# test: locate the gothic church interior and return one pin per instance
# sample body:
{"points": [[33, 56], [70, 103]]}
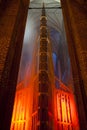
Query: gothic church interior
{"points": [[43, 73]]}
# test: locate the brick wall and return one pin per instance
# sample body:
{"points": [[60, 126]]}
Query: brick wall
{"points": [[12, 24], [75, 19], [7, 22]]}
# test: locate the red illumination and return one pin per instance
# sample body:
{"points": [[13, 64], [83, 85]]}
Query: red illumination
{"points": [[21, 111], [67, 118], [63, 105]]}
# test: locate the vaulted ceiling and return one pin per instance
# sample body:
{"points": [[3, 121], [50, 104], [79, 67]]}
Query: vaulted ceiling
{"points": [[54, 22], [55, 26], [45, 1]]}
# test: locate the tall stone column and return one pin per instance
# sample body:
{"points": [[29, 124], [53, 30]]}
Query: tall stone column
{"points": [[75, 19], [12, 24], [45, 75]]}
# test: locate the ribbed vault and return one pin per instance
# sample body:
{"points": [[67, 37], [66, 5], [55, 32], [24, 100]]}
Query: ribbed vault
{"points": [[57, 35]]}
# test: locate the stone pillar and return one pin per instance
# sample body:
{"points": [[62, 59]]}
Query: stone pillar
{"points": [[12, 24], [43, 94], [75, 19]]}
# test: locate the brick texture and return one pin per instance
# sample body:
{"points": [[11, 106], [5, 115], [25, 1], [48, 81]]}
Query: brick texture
{"points": [[12, 24], [75, 19], [7, 23]]}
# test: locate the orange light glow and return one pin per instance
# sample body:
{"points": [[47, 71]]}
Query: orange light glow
{"points": [[21, 111], [63, 104], [67, 118]]}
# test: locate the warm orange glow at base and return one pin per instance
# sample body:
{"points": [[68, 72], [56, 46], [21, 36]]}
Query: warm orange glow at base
{"points": [[21, 111], [65, 112], [67, 117]]}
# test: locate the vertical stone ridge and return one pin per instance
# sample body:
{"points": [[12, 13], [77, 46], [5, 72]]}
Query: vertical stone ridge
{"points": [[43, 75]]}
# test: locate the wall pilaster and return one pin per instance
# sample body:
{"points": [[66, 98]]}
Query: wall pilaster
{"points": [[12, 24], [75, 20]]}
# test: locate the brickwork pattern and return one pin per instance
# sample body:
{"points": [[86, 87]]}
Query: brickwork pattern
{"points": [[12, 24], [75, 21], [7, 22], [78, 18]]}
